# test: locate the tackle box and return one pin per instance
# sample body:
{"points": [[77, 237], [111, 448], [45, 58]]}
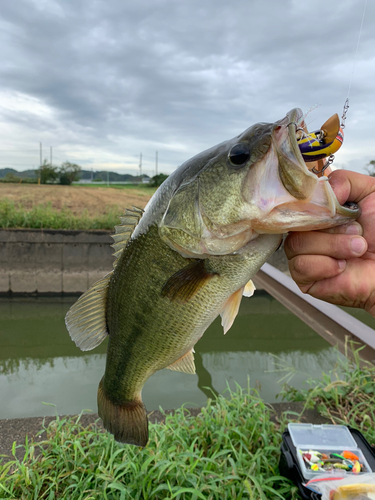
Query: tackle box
{"points": [[300, 438]]}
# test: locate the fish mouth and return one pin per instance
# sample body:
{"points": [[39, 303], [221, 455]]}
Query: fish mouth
{"points": [[306, 181]]}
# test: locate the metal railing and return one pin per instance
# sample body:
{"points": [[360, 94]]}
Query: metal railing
{"points": [[332, 323]]}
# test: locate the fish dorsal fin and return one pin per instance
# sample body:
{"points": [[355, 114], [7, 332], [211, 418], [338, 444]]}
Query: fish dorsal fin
{"points": [[249, 289], [184, 364], [230, 311], [123, 232], [85, 320], [185, 283]]}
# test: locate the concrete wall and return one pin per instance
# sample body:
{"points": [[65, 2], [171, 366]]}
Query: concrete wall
{"points": [[52, 261], [58, 261]]}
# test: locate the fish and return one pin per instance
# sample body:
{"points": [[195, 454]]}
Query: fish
{"points": [[190, 256]]}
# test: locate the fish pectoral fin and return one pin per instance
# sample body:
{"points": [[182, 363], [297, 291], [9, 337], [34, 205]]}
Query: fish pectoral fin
{"points": [[185, 283], [85, 320], [249, 289], [230, 311], [184, 364]]}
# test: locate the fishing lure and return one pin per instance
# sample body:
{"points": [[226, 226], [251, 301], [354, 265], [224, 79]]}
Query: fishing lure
{"points": [[321, 143]]}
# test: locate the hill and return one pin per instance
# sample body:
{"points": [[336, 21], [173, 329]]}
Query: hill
{"points": [[84, 175], [22, 175]]}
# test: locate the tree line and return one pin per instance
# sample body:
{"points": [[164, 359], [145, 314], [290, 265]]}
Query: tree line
{"points": [[66, 174]]}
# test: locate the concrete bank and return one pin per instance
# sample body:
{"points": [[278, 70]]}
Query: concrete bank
{"points": [[52, 261]]}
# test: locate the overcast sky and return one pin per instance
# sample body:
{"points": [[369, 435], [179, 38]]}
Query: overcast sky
{"points": [[103, 80]]}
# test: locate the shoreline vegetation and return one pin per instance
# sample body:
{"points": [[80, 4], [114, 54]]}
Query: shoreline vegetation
{"points": [[229, 450]]}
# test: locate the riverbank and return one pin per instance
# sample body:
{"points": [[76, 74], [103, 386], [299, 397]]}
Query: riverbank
{"points": [[16, 430], [226, 449], [229, 448]]}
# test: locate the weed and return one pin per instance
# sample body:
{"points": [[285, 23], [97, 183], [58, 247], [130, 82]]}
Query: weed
{"points": [[230, 450]]}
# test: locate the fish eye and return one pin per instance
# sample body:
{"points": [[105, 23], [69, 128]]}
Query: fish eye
{"points": [[239, 154]]}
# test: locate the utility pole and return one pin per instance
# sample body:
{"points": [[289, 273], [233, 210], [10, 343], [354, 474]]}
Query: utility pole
{"points": [[50, 155], [107, 178], [41, 154], [140, 166], [156, 163]]}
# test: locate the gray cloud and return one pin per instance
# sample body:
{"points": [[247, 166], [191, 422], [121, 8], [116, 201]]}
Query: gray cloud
{"points": [[109, 79]]}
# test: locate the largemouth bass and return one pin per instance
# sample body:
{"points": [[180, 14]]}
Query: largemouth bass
{"points": [[190, 256]]}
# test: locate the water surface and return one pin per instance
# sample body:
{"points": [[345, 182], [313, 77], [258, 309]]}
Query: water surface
{"points": [[39, 363]]}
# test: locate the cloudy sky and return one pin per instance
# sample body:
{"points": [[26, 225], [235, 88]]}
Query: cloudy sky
{"points": [[101, 81]]}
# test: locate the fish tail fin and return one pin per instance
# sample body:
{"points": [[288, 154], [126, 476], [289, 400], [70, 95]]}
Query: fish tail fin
{"points": [[127, 422]]}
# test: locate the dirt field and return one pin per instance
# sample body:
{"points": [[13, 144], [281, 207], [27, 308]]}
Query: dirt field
{"points": [[77, 198]]}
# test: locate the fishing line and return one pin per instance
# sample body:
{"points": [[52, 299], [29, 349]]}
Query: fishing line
{"points": [[346, 104], [316, 140]]}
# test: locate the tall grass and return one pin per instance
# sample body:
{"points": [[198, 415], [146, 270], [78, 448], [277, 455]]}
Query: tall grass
{"points": [[230, 451], [43, 215], [345, 395]]}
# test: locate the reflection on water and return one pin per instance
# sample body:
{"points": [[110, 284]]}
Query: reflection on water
{"points": [[39, 363]]}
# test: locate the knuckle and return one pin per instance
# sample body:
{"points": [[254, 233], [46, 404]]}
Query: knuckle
{"points": [[294, 243], [300, 266]]}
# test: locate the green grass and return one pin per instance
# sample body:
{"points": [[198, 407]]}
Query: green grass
{"points": [[43, 215], [345, 395], [230, 451], [139, 187]]}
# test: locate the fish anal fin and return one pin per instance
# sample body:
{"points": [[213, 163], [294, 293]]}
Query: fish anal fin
{"points": [[124, 231], [85, 320], [249, 289], [230, 311], [185, 283], [184, 364], [127, 422]]}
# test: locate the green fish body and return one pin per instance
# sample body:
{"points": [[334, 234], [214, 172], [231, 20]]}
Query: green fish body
{"points": [[190, 257]]}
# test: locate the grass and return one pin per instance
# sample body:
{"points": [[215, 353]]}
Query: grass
{"points": [[43, 215], [139, 187], [230, 451], [345, 395]]}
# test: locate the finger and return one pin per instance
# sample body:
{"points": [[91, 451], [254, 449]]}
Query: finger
{"points": [[337, 246], [350, 228], [353, 287], [307, 269], [351, 186]]}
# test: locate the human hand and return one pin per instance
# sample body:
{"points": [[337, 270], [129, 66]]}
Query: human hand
{"points": [[338, 264]]}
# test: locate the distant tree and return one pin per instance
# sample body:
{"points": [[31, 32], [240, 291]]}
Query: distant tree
{"points": [[69, 172], [157, 180], [10, 177], [47, 172], [371, 168]]}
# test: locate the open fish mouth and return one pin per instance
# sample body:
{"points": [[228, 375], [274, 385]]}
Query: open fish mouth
{"points": [[290, 192], [305, 180]]}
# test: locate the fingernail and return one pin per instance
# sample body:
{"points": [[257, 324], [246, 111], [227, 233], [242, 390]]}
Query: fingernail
{"points": [[358, 245], [354, 228], [342, 264]]}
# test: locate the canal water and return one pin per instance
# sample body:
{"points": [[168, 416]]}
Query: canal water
{"points": [[40, 366]]}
